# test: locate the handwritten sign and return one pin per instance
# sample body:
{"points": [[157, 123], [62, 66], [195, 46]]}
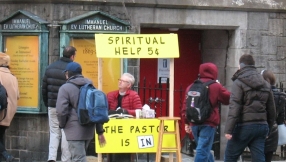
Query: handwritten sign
{"points": [[24, 54], [134, 135], [145, 142], [137, 45]]}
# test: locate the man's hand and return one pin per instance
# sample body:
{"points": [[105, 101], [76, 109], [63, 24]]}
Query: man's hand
{"points": [[121, 111], [101, 140], [228, 136], [188, 128]]}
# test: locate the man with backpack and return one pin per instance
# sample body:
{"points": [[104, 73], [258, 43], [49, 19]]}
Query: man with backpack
{"points": [[251, 112], [200, 110], [52, 81], [77, 135]]}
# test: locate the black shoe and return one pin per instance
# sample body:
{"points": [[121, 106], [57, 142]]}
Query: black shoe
{"points": [[7, 156]]}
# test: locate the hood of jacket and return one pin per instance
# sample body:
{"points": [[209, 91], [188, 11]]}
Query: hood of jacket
{"points": [[249, 76], [208, 70], [79, 80]]}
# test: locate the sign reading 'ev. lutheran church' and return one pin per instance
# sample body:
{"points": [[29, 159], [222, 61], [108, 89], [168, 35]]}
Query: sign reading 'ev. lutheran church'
{"points": [[97, 22]]}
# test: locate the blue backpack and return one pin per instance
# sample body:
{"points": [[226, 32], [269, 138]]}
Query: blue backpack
{"points": [[92, 105]]}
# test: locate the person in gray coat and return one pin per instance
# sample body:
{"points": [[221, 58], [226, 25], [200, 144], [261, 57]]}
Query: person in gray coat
{"points": [[53, 79], [78, 136]]}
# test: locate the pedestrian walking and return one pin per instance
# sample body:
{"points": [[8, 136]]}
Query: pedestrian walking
{"points": [[52, 81], [251, 112], [78, 136], [204, 132], [10, 83], [271, 142]]}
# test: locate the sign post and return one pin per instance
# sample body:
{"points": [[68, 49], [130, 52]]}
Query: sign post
{"points": [[139, 46]]}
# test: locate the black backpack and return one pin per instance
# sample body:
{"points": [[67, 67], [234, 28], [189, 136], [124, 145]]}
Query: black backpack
{"points": [[280, 103], [3, 100], [198, 106]]}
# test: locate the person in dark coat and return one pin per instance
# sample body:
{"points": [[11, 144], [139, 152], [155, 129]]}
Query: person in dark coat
{"points": [[52, 81], [251, 112], [271, 142]]}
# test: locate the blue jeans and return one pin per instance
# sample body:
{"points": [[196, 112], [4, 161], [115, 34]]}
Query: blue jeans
{"points": [[204, 137], [251, 136]]}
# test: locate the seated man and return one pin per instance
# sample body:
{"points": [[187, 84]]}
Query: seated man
{"points": [[124, 98], [124, 101]]}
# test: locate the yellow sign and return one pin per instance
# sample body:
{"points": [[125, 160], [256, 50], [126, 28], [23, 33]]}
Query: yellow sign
{"points": [[134, 135], [24, 54], [137, 45], [86, 57]]}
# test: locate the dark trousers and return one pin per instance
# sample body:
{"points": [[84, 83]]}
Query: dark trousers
{"points": [[268, 156], [2, 138], [251, 136]]}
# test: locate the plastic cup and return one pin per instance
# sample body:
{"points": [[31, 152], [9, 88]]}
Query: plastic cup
{"points": [[138, 113]]}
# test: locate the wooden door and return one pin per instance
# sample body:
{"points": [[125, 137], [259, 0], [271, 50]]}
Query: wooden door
{"points": [[186, 71]]}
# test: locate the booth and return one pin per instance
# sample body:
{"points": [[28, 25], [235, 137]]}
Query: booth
{"points": [[24, 36], [137, 135]]}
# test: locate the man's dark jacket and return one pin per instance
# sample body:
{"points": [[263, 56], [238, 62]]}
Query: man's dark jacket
{"points": [[251, 100], [53, 79]]}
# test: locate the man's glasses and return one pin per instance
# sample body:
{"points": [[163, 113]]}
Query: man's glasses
{"points": [[120, 80]]}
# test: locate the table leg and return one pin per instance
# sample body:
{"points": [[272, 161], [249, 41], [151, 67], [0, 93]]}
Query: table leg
{"points": [[99, 157]]}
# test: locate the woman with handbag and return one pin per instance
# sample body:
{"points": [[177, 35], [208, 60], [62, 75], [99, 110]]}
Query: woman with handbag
{"points": [[271, 142]]}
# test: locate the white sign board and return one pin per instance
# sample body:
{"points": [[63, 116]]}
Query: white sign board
{"points": [[163, 70], [145, 141]]}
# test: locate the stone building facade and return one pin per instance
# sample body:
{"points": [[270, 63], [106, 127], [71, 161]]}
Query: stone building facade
{"points": [[229, 29]]}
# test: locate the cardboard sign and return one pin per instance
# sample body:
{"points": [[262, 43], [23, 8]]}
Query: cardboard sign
{"points": [[134, 135], [137, 45]]}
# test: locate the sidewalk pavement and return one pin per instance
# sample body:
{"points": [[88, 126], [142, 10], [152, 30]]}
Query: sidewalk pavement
{"points": [[185, 158], [165, 158]]}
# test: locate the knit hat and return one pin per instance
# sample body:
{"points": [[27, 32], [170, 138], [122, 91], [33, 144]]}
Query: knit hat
{"points": [[4, 59]]}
